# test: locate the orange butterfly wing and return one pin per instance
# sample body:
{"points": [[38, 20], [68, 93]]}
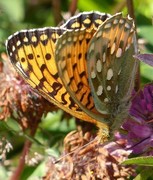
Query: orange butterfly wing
{"points": [[32, 54]]}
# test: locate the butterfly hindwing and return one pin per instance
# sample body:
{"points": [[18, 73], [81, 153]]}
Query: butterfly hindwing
{"points": [[111, 66]]}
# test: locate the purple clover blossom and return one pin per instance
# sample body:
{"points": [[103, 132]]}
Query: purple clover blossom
{"points": [[146, 58], [142, 104], [139, 137]]}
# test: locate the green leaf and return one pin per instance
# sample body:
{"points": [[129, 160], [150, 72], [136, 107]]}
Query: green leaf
{"points": [[53, 122], [14, 9], [141, 161], [146, 71], [12, 125], [3, 173], [140, 7], [145, 174], [52, 152], [31, 173], [146, 33]]}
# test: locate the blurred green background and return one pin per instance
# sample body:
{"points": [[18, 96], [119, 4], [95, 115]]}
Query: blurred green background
{"points": [[25, 14]]}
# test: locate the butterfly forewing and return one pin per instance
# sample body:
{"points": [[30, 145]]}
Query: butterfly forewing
{"points": [[86, 20], [32, 54], [111, 67]]}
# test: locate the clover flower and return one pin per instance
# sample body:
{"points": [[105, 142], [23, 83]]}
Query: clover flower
{"points": [[139, 129], [18, 100]]}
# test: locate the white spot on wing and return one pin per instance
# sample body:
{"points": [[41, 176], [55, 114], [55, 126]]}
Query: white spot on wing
{"points": [[119, 72], [104, 57], [109, 74], [106, 100], [115, 21], [119, 53], [13, 48], [25, 39], [129, 18], [108, 25], [34, 39], [43, 37], [93, 74], [121, 21], [127, 25], [108, 88], [99, 65], [100, 90], [18, 43], [116, 89], [103, 112], [69, 39]]}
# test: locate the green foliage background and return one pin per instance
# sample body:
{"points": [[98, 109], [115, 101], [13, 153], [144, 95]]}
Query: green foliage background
{"points": [[25, 14]]}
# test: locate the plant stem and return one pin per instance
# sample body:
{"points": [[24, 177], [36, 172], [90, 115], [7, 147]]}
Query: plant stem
{"points": [[73, 7], [17, 173], [56, 4]]}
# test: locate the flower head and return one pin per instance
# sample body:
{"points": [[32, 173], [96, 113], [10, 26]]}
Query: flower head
{"points": [[139, 136], [18, 100], [87, 158]]}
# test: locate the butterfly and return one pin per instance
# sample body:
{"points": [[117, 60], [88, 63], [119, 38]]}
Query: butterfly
{"points": [[85, 67]]}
